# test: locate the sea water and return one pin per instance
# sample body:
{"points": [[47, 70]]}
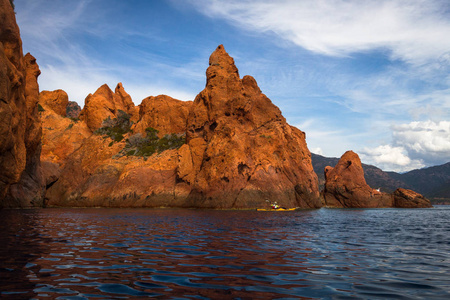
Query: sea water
{"points": [[209, 254]]}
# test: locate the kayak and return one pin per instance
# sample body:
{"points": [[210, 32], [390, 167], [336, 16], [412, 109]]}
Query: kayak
{"points": [[276, 209]]}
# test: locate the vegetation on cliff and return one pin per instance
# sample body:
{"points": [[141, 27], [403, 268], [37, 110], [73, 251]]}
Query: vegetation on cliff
{"points": [[115, 128], [139, 145]]}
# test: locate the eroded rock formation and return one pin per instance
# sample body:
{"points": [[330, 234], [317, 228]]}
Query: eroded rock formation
{"points": [[105, 103], [61, 135], [345, 186], [21, 183], [239, 151]]}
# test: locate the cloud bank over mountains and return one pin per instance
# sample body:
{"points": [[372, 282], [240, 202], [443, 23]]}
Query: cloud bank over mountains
{"points": [[414, 145]]}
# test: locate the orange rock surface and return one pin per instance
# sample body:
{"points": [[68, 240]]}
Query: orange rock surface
{"points": [[55, 100], [239, 152], [61, 135], [21, 183], [163, 112], [105, 103]]}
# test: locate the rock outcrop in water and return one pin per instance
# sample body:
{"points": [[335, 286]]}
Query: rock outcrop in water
{"points": [[21, 183], [404, 198], [345, 186], [238, 151]]}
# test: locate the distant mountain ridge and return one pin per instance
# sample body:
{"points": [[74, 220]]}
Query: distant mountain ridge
{"points": [[432, 182]]}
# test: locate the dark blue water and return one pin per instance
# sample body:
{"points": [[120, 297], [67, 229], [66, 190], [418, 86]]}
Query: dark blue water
{"points": [[206, 254]]}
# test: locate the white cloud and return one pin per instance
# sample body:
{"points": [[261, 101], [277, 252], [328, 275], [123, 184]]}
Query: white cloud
{"points": [[412, 82], [317, 150], [413, 30], [429, 141], [390, 158], [414, 145]]}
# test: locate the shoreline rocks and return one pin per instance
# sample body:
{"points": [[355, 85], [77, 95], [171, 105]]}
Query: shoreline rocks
{"points": [[346, 187]]}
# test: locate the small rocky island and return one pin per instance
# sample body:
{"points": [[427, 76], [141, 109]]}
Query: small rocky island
{"points": [[345, 186], [230, 148]]}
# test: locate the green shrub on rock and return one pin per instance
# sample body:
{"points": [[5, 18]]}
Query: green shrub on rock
{"points": [[139, 145], [117, 127]]}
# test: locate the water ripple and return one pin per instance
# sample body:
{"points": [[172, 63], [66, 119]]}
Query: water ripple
{"points": [[201, 254]]}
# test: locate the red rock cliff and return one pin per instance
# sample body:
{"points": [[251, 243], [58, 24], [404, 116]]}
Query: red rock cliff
{"points": [[239, 152], [21, 183]]}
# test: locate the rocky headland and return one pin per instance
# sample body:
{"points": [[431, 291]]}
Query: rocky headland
{"points": [[230, 148]]}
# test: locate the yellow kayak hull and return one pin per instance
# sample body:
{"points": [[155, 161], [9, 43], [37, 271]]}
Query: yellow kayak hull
{"points": [[276, 209]]}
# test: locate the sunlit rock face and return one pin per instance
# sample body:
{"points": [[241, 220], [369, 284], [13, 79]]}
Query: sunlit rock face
{"points": [[105, 103], [21, 183], [98, 172], [55, 100], [345, 186], [165, 113], [239, 152]]}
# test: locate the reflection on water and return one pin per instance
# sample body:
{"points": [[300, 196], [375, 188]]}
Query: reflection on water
{"points": [[139, 253]]}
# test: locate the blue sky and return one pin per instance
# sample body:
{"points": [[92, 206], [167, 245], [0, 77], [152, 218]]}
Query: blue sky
{"points": [[370, 76]]}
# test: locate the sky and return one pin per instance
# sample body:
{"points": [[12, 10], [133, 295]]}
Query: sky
{"points": [[362, 75]]}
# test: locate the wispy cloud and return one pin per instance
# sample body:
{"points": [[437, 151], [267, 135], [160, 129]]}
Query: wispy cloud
{"points": [[413, 31]]}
